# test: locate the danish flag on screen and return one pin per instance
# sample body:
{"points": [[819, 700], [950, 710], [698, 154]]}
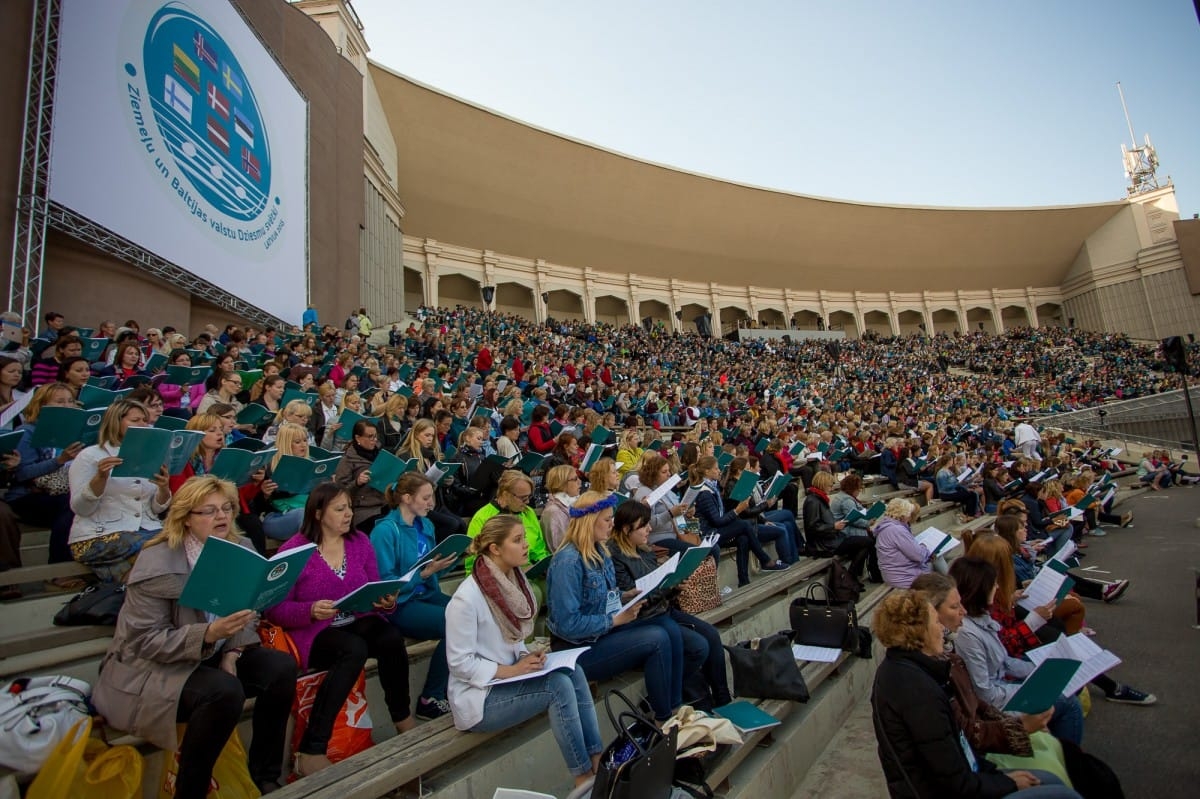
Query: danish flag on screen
{"points": [[218, 102]]}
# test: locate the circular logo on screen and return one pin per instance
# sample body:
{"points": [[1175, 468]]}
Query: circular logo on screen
{"points": [[204, 104], [277, 572]]}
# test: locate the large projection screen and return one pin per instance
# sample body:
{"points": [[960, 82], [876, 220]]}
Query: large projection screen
{"points": [[177, 130]]}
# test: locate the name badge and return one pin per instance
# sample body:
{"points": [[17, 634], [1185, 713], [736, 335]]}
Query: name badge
{"points": [[614, 602]]}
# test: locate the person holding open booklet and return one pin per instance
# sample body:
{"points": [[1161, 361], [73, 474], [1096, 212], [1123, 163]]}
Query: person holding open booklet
{"points": [[169, 663], [401, 540], [114, 516], [488, 621], [333, 640], [703, 651], [588, 609], [902, 558]]}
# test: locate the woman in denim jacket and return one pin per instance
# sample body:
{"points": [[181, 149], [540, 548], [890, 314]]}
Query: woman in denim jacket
{"points": [[585, 610]]}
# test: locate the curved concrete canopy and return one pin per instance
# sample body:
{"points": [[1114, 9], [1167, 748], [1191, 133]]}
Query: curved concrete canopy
{"points": [[473, 177]]}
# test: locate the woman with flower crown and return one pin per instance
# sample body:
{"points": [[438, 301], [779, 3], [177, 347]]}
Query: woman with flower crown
{"points": [[586, 610]]}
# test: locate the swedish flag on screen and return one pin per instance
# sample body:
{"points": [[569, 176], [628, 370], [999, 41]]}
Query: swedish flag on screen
{"points": [[204, 104]]}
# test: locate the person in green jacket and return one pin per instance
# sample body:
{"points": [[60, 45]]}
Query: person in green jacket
{"points": [[512, 496]]}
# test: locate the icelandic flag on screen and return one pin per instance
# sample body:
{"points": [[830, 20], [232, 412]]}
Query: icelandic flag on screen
{"points": [[218, 135], [203, 51], [186, 69], [218, 102], [233, 82], [177, 97], [243, 126], [250, 165]]}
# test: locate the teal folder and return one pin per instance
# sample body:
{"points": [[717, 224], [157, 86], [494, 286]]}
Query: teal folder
{"points": [[239, 465], [347, 421], [155, 363], [689, 561], [1042, 689], [229, 577], [744, 486], [59, 428], [746, 716], [165, 422], [538, 569], [363, 600], [600, 434], [870, 514], [297, 475], [530, 462], [96, 397], [145, 450], [254, 414], [453, 545], [294, 394], [9, 441], [93, 348], [775, 487], [187, 375], [386, 470]]}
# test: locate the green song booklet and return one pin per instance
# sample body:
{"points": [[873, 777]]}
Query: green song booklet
{"points": [[59, 428], [239, 465], [364, 598], [229, 577], [297, 475], [145, 450]]}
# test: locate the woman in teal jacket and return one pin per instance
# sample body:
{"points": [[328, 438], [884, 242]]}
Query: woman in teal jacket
{"points": [[401, 539]]}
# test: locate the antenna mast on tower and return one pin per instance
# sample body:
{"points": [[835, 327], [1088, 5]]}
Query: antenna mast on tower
{"points": [[1141, 163]]}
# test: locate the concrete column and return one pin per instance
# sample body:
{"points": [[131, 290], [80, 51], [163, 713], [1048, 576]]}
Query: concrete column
{"points": [[894, 321], [997, 319], [1031, 313], [539, 288]]}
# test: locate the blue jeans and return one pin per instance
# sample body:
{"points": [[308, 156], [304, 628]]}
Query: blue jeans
{"points": [[654, 647], [968, 499], [1058, 538], [424, 618], [792, 542], [572, 714], [1051, 788], [1067, 721], [282, 526]]}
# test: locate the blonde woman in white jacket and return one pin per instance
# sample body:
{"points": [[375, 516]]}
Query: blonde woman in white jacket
{"points": [[114, 516], [487, 622]]}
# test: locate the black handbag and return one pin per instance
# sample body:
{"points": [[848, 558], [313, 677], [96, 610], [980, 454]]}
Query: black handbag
{"points": [[765, 668], [96, 604], [1091, 777], [817, 622], [843, 586], [640, 762]]}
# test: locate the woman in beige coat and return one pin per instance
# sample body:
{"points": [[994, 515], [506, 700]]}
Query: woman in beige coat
{"points": [[170, 664]]}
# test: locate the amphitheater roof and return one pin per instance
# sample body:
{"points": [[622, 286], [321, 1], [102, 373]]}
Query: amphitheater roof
{"points": [[473, 177]]}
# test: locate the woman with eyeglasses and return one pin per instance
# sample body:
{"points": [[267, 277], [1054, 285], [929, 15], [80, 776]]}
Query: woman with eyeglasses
{"points": [[221, 387], [114, 516], [564, 485], [170, 664], [421, 445], [513, 494]]}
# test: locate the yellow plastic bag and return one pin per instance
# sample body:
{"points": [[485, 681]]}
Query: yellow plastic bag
{"points": [[230, 777], [82, 767], [1085, 701]]}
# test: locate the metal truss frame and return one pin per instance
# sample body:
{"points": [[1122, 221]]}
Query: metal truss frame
{"points": [[36, 214]]}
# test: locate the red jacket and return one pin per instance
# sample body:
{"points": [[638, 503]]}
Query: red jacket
{"points": [[541, 438]]}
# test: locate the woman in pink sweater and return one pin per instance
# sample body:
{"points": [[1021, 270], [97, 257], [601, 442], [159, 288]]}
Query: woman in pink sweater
{"points": [[335, 641]]}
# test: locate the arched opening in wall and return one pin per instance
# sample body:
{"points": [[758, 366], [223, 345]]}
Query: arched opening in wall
{"points": [[687, 316], [732, 318], [980, 316], [1050, 314], [877, 322], [458, 290], [563, 304], [659, 313], [910, 322], [771, 318], [806, 320], [516, 299], [612, 310], [414, 290], [843, 320], [945, 320], [1014, 316]]}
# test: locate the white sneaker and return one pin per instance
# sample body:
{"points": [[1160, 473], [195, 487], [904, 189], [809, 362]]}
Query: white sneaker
{"points": [[726, 590]]}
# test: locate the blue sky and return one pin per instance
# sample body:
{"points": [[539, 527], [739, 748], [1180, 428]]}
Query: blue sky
{"points": [[924, 103]]}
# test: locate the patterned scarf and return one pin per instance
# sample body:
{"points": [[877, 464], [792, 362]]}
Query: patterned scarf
{"points": [[512, 605]]}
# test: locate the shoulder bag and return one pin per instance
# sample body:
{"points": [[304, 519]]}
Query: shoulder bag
{"points": [[640, 762], [765, 668]]}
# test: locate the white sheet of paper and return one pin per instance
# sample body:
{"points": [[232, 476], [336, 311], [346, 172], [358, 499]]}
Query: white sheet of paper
{"points": [[817, 654], [563, 659], [710, 540], [1094, 660], [654, 496], [932, 538], [647, 583], [689, 496], [1043, 590], [1067, 550], [434, 474]]}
